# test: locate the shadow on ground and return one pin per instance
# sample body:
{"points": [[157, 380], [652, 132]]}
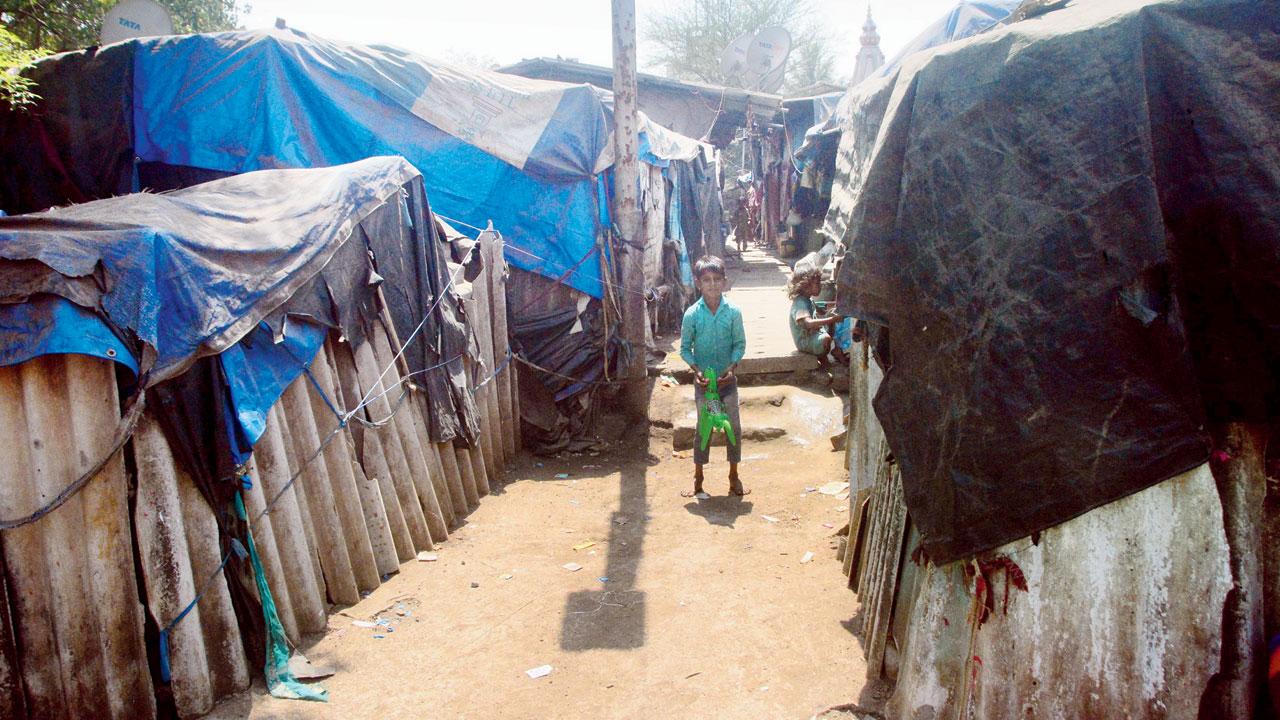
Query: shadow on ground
{"points": [[722, 511], [614, 617]]}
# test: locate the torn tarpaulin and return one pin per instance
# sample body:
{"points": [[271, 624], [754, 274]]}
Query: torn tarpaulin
{"points": [[1069, 226], [189, 273]]}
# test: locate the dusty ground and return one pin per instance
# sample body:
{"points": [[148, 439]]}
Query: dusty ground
{"points": [[681, 608]]}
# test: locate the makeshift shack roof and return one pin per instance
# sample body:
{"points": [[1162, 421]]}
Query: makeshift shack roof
{"points": [[710, 112], [1067, 230], [804, 113], [966, 19], [523, 153], [190, 272], [157, 281]]}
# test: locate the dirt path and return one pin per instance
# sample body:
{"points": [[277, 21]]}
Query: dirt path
{"points": [[680, 609]]}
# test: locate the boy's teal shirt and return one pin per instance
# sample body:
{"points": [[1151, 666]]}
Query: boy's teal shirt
{"points": [[712, 340]]}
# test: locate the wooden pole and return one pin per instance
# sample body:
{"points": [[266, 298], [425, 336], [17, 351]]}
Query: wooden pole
{"points": [[626, 203], [481, 454], [496, 265], [486, 401], [515, 404], [1242, 487], [491, 357]]}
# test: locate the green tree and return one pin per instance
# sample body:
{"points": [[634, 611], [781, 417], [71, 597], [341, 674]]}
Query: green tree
{"points": [[59, 25], [690, 37], [15, 56]]}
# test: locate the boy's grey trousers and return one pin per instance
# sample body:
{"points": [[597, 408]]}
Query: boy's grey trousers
{"points": [[728, 396]]}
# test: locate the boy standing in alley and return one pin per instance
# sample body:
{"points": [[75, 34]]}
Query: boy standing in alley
{"points": [[712, 338]]}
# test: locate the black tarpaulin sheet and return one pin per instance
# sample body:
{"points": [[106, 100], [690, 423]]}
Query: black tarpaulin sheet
{"points": [[412, 256], [76, 143], [1070, 228], [556, 408]]}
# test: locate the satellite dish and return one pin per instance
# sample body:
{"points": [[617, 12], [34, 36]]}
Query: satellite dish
{"points": [[733, 61], [769, 50], [771, 82], [135, 18], [757, 61]]}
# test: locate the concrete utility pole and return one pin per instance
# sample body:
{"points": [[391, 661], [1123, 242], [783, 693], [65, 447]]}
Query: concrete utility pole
{"points": [[1242, 486], [626, 201]]}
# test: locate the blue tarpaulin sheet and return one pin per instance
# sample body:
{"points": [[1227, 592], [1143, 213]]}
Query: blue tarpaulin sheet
{"points": [[258, 369], [51, 325], [492, 147], [191, 272], [966, 19]]}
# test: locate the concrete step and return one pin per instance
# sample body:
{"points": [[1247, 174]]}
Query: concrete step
{"points": [[802, 416], [757, 286]]}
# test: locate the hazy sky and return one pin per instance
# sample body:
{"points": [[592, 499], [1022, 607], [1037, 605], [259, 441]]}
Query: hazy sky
{"points": [[507, 31]]}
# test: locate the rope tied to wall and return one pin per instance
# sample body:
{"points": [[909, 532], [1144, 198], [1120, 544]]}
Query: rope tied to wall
{"points": [[124, 431]]}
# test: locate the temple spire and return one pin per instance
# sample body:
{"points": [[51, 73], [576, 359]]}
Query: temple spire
{"points": [[869, 56]]}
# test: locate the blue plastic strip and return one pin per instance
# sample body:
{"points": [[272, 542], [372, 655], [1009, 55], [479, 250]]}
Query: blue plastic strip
{"points": [[646, 153], [675, 230], [50, 325], [164, 633], [258, 370], [280, 681]]}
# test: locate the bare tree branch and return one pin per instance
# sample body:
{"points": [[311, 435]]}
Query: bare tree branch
{"points": [[691, 37]]}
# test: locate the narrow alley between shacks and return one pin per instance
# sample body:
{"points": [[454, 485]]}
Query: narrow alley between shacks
{"points": [[728, 359], [587, 587]]}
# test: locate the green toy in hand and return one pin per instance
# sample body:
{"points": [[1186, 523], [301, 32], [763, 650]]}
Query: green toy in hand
{"points": [[713, 415]]}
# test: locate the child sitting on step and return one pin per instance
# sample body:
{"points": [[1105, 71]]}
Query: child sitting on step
{"points": [[811, 333]]}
